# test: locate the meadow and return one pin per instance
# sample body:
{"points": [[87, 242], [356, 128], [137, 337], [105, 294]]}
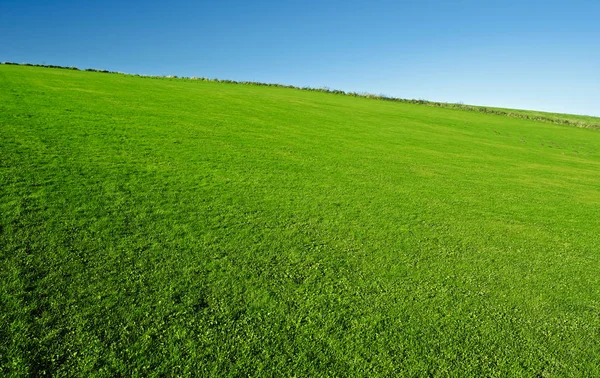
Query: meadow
{"points": [[167, 227]]}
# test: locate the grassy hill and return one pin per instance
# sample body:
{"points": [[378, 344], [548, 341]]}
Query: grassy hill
{"points": [[178, 227]]}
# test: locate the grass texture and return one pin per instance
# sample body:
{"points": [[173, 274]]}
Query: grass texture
{"points": [[176, 227]]}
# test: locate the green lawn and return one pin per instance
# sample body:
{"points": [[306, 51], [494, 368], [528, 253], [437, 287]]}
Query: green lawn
{"points": [[178, 227]]}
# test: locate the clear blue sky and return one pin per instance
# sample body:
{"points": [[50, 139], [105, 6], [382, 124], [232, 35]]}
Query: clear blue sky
{"points": [[541, 55]]}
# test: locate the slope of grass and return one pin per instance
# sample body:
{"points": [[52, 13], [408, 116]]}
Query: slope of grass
{"points": [[156, 227], [557, 118]]}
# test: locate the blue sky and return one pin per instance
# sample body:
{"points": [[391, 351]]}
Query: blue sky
{"points": [[524, 54]]}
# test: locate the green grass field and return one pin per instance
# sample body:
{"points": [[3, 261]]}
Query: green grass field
{"points": [[177, 227]]}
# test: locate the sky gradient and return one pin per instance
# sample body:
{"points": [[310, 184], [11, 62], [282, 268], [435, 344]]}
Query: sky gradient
{"points": [[542, 55]]}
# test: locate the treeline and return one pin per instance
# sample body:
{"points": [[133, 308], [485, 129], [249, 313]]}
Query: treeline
{"points": [[41, 65], [60, 67], [382, 97]]}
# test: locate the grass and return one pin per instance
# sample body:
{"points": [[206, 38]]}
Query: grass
{"points": [[178, 227], [556, 118]]}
